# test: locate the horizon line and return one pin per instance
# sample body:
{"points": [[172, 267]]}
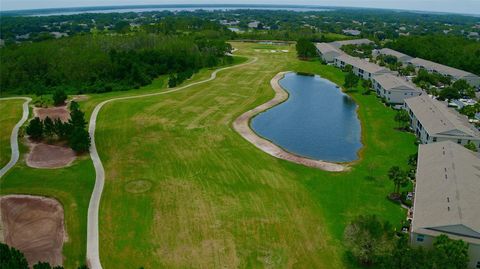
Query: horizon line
{"points": [[313, 6]]}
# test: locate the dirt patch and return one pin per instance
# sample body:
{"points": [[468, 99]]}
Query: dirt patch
{"points": [[35, 226], [58, 112], [138, 186], [49, 156], [79, 98]]}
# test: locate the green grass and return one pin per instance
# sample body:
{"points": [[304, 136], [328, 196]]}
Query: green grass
{"points": [[11, 111], [71, 186], [212, 199], [215, 200]]}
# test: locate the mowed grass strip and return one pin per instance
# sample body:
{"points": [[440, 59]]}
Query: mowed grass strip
{"points": [[214, 200], [11, 112], [72, 186]]}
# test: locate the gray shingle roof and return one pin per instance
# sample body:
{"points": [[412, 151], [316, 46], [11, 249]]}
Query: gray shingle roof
{"points": [[447, 191], [362, 64], [440, 68], [392, 82], [437, 118], [327, 47], [341, 43], [400, 56]]}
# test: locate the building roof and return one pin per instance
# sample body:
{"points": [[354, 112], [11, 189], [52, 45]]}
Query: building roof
{"points": [[447, 191], [351, 32], [438, 119], [327, 47], [401, 56], [362, 64], [341, 43], [440, 68], [392, 83]]}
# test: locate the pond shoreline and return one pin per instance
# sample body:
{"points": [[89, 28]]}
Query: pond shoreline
{"points": [[242, 126]]}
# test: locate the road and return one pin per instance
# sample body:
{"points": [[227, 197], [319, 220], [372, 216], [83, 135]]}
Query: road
{"points": [[93, 251], [14, 135]]}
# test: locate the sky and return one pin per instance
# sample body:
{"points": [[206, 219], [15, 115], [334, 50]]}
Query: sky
{"points": [[455, 6]]}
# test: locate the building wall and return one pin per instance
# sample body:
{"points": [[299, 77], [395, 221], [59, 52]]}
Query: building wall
{"points": [[395, 96], [426, 241], [426, 138]]}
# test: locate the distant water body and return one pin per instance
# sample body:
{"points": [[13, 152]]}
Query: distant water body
{"points": [[317, 121], [172, 8]]}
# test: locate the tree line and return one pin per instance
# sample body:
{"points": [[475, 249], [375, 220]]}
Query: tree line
{"points": [[74, 131], [102, 63], [454, 51]]}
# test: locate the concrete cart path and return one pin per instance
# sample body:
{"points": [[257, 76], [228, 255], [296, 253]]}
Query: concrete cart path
{"points": [[93, 253], [14, 135]]}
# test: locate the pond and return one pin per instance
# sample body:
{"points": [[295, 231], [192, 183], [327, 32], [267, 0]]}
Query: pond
{"points": [[318, 121]]}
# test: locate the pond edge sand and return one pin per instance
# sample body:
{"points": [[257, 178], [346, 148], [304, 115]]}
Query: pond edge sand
{"points": [[242, 126]]}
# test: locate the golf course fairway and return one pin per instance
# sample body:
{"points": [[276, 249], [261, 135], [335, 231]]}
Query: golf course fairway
{"points": [[184, 190]]}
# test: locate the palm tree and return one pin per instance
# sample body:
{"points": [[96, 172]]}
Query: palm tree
{"points": [[398, 177]]}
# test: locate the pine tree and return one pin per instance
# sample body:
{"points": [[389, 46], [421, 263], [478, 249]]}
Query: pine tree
{"points": [[35, 129], [79, 140], [48, 127]]}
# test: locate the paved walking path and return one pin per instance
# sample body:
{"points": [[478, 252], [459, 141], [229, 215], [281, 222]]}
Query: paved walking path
{"points": [[14, 136], [93, 254], [242, 126]]}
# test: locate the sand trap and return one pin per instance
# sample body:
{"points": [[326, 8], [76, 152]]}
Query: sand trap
{"points": [[49, 156], [35, 226], [60, 112]]}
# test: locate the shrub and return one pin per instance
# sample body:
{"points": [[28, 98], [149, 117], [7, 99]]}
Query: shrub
{"points": [[35, 129], [59, 97]]}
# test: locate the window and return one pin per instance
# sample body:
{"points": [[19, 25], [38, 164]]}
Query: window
{"points": [[459, 141], [420, 237]]}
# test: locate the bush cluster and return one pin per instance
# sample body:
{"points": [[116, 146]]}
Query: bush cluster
{"points": [[74, 131]]}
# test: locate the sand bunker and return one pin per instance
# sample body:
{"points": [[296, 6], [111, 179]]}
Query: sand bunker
{"points": [[35, 226], [59, 112], [49, 156]]}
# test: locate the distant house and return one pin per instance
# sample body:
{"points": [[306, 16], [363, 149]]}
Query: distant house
{"points": [[404, 58], [361, 68], [393, 88], [447, 199], [454, 73], [351, 32], [433, 121], [328, 52], [356, 42], [253, 24]]}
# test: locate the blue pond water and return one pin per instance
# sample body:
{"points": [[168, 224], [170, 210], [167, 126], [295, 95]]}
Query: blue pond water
{"points": [[317, 121]]}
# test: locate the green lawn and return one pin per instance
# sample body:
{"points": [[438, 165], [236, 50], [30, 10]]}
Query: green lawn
{"points": [[184, 190], [11, 111]]}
